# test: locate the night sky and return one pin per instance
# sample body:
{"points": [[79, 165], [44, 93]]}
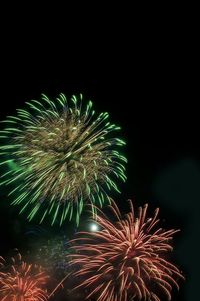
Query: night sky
{"points": [[150, 90]]}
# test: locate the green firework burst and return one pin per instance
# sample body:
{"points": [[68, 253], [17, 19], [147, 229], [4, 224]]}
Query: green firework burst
{"points": [[59, 155]]}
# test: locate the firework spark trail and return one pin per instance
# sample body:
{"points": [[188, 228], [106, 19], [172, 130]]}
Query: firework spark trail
{"points": [[126, 260], [22, 281], [61, 156]]}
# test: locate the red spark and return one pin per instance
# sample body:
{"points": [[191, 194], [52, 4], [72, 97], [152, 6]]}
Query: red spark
{"points": [[22, 281], [126, 260]]}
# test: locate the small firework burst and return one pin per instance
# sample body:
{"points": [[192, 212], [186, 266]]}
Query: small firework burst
{"points": [[22, 281], [126, 260], [59, 157], [52, 254]]}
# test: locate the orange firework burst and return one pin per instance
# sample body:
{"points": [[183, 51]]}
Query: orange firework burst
{"points": [[126, 260], [22, 281]]}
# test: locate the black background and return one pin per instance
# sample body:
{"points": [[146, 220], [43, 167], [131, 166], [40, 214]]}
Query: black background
{"points": [[145, 74]]}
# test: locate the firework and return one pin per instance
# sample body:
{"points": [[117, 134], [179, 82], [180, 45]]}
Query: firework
{"points": [[126, 260], [22, 281], [59, 155], [52, 254]]}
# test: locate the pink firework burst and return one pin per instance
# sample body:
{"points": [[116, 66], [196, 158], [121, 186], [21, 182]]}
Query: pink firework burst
{"points": [[22, 281], [126, 260]]}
